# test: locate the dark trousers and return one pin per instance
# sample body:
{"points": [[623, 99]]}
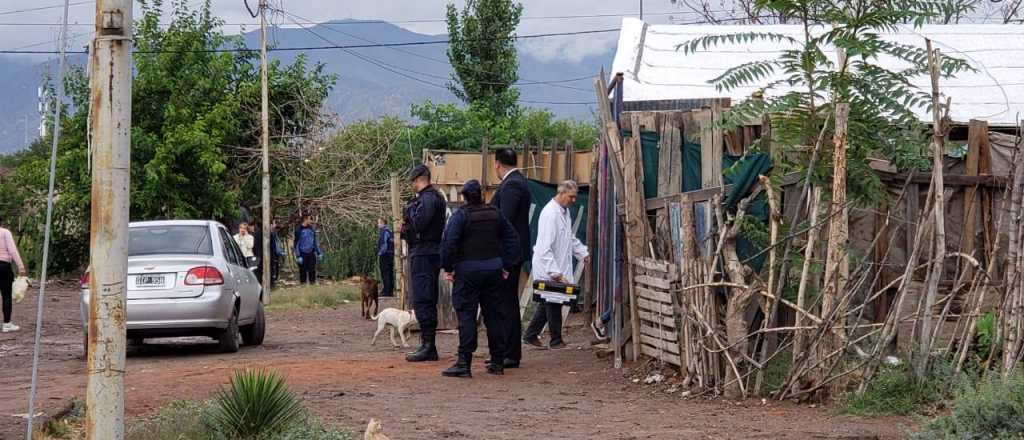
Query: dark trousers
{"points": [[387, 274], [546, 313], [7, 289], [307, 270], [275, 270], [425, 272], [508, 317], [478, 289]]}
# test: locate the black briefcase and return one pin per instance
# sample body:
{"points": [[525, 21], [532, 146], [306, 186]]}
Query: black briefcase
{"points": [[555, 292]]}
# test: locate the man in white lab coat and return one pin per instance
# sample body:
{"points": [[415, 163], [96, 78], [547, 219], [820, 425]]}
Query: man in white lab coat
{"points": [[552, 261]]}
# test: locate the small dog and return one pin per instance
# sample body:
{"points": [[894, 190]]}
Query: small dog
{"points": [[399, 320], [370, 296], [375, 431]]}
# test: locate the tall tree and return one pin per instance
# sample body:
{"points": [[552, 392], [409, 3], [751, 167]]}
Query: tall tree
{"points": [[483, 54]]}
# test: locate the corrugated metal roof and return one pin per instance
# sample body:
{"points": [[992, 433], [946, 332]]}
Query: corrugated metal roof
{"points": [[654, 70]]}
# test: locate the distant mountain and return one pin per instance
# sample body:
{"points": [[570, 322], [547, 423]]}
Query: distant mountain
{"points": [[372, 81]]}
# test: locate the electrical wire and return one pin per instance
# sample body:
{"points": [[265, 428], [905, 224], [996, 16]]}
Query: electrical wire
{"points": [[43, 8]]}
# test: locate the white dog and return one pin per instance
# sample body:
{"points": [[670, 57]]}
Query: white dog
{"points": [[399, 320]]}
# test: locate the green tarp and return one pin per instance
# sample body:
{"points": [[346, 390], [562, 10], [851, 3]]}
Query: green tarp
{"points": [[542, 193], [740, 171]]}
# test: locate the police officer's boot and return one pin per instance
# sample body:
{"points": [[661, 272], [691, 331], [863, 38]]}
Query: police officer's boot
{"points": [[426, 352], [461, 367]]}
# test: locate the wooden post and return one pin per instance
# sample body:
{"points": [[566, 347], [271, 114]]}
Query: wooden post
{"points": [[553, 163], [635, 222], [836, 263], [569, 151], [939, 213], [396, 219], [483, 166], [977, 140]]}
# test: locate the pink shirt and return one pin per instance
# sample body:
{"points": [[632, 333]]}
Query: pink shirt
{"points": [[9, 250]]}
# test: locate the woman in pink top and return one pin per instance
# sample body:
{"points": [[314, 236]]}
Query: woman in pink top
{"points": [[8, 256]]}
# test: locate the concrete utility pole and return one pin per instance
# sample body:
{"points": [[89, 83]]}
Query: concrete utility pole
{"points": [[111, 96], [265, 140]]}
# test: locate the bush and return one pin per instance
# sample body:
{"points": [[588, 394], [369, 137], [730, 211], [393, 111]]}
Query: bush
{"points": [[894, 392], [994, 409], [183, 419], [256, 404], [349, 249]]}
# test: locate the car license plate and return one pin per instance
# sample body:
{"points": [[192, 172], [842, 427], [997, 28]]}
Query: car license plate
{"points": [[149, 280]]}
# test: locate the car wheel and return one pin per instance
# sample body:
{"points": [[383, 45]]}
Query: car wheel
{"points": [[228, 338], [252, 334]]}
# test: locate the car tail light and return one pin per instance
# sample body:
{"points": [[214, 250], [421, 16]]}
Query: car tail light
{"points": [[84, 280], [204, 276]]}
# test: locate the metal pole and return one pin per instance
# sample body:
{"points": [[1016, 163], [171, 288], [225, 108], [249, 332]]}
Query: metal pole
{"points": [[37, 347], [111, 93], [641, 10], [265, 140]]}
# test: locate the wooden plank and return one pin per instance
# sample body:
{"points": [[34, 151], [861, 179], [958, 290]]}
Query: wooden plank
{"points": [[553, 163], [977, 134], [653, 282], [635, 222], [656, 307], [656, 343], [660, 333], [655, 265], [483, 162], [654, 318], [569, 156], [667, 357], [654, 295]]}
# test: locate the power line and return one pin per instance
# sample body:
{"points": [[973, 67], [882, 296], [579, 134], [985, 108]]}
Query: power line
{"points": [[42, 8], [333, 47]]}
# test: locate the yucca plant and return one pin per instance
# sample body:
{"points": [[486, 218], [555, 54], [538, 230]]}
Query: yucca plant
{"points": [[256, 404]]}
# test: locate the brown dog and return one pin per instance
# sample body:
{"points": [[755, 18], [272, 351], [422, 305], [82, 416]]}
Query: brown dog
{"points": [[370, 295]]}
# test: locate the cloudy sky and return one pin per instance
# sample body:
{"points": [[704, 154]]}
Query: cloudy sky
{"points": [[37, 29]]}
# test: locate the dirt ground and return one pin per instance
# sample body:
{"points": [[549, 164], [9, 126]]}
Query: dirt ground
{"points": [[327, 358]]}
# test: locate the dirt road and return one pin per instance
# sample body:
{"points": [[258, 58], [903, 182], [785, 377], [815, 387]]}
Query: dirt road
{"points": [[327, 358]]}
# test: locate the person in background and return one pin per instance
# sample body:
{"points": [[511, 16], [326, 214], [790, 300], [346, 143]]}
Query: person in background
{"points": [[307, 250], [552, 261], [246, 243], [479, 248], [513, 199], [9, 256], [422, 227], [386, 257], [276, 253]]}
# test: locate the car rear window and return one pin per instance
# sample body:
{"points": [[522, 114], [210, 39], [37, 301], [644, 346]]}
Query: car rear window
{"points": [[152, 240]]}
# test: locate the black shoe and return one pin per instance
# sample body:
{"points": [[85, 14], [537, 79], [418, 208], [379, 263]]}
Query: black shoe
{"points": [[557, 345], [509, 363], [534, 342], [495, 369], [461, 367], [426, 352]]}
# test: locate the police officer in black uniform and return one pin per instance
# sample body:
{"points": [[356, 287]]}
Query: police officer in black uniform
{"points": [[422, 227], [480, 246]]}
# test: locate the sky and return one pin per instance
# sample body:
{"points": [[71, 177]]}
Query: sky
{"points": [[38, 29]]}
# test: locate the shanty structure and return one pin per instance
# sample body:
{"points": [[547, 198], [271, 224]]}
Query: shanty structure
{"points": [[660, 170]]}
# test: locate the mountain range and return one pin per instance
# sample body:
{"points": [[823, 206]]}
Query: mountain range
{"points": [[372, 81]]}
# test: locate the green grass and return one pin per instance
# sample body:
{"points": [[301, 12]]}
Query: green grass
{"points": [[993, 408], [894, 392], [776, 371], [192, 420], [313, 297]]}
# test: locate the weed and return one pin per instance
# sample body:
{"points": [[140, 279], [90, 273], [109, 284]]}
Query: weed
{"points": [[776, 371], [184, 419], [311, 297], [894, 392], [990, 409]]}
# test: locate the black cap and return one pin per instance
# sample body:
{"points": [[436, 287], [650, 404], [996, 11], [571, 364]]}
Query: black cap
{"points": [[419, 170], [471, 187]]}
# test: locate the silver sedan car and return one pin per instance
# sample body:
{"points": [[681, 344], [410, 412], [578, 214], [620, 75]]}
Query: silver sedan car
{"points": [[188, 278]]}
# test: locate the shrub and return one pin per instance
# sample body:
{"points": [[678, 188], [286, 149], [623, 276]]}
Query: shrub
{"points": [[256, 404], [994, 409], [894, 392], [183, 419]]}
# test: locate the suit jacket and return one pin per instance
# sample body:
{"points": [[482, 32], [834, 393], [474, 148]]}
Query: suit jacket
{"points": [[513, 199]]}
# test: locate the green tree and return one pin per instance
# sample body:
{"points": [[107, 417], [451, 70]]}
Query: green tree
{"points": [[483, 54], [195, 133], [447, 126]]}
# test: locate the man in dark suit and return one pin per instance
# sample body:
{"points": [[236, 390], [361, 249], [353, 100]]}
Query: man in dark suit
{"points": [[513, 199]]}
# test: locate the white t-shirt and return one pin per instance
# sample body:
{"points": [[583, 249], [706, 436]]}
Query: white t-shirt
{"points": [[246, 243]]}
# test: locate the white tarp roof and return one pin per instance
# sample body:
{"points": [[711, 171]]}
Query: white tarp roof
{"points": [[654, 70]]}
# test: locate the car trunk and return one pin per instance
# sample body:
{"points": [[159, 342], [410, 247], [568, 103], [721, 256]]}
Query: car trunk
{"points": [[163, 276]]}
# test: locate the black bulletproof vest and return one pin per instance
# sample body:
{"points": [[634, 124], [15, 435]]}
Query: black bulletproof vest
{"points": [[481, 234]]}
